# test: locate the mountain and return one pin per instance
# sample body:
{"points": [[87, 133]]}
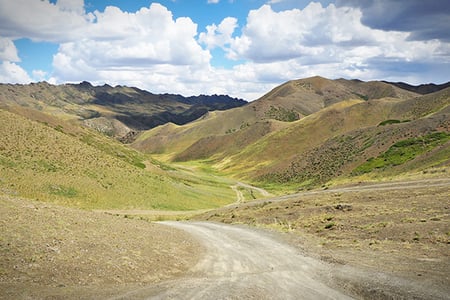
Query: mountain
{"points": [[51, 159], [287, 103], [302, 133], [118, 111], [422, 88], [307, 132]]}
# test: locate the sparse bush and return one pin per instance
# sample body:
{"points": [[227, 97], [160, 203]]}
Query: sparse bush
{"points": [[330, 225], [63, 191], [403, 151], [282, 114]]}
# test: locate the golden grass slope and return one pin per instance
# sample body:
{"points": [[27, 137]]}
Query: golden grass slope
{"points": [[316, 148], [336, 139], [289, 102], [89, 170], [172, 139]]}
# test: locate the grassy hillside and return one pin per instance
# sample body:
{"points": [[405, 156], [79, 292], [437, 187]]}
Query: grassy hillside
{"points": [[119, 111], [277, 150], [337, 140], [84, 169], [171, 139], [319, 147], [240, 127]]}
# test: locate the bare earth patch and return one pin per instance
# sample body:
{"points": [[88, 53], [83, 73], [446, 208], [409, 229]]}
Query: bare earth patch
{"points": [[386, 240], [48, 251]]}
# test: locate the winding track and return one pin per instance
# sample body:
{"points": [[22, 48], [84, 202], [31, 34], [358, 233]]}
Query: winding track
{"points": [[242, 263]]}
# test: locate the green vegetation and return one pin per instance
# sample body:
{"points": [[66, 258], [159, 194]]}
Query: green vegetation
{"points": [[403, 151], [282, 114], [364, 97], [59, 190], [388, 122], [95, 172]]}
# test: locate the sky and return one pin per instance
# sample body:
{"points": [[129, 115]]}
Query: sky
{"points": [[242, 48]]}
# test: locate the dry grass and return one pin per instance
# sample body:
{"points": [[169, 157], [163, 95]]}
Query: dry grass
{"points": [[47, 249], [92, 171], [404, 230]]}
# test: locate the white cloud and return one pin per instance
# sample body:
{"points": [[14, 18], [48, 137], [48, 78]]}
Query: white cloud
{"points": [[277, 36], [219, 36], [39, 75], [151, 49], [12, 73], [331, 42], [42, 20], [76, 6], [213, 1], [131, 41], [8, 50]]}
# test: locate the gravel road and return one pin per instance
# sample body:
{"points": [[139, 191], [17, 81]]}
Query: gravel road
{"points": [[242, 263]]}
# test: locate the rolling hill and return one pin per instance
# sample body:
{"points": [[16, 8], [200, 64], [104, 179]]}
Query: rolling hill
{"points": [[53, 160], [118, 111], [286, 103], [303, 133], [307, 132]]}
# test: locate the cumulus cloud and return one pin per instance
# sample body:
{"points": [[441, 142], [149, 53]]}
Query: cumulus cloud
{"points": [[42, 20], [13, 73], [219, 36], [275, 36], [149, 36], [153, 50], [121, 41], [8, 50], [330, 41], [425, 20]]}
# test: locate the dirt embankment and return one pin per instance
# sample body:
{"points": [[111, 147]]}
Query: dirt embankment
{"points": [[51, 251]]}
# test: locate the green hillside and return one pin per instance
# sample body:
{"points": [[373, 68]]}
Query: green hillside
{"points": [[81, 168], [287, 103], [341, 124], [302, 134]]}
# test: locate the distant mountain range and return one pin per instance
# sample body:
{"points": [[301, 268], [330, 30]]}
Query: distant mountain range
{"points": [[422, 88], [118, 111], [302, 134]]}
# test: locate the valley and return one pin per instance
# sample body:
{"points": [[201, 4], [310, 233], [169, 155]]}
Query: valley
{"points": [[349, 177]]}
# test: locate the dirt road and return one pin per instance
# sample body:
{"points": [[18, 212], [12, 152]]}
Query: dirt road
{"points": [[374, 187], [242, 263]]}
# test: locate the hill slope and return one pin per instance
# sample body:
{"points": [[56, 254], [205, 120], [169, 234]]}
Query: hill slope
{"points": [[336, 141], [286, 103], [53, 252], [116, 111], [340, 125], [58, 162]]}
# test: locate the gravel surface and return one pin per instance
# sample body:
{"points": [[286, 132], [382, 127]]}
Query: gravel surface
{"points": [[243, 263]]}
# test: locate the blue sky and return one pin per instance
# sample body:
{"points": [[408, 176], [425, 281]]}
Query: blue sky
{"points": [[242, 48]]}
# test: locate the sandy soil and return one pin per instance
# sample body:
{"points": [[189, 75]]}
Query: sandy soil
{"points": [[243, 263], [53, 252]]}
